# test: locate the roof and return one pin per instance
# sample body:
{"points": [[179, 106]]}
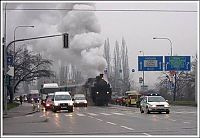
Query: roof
{"points": [[34, 92], [62, 92], [50, 85], [133, 92]]}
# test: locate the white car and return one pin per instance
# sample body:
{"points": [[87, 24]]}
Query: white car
{"points": [[154, 103], [62, 101], [80, 100]]}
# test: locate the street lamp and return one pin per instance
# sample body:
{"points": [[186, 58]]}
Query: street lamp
{"points": [[20, 26], [166, 39], [143, 69], [175, 79]]}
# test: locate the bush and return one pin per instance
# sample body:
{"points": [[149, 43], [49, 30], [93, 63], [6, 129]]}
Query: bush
{"points": [[12, 105]]}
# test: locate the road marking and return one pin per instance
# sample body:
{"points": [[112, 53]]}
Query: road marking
{"points": [[111, 123], [105, 114], [146, 134], [28, 115], [185, 112], [186, 122], [99, 119], [92, 114], [42, 116], [68, 115], [172, 120], [80, 114], [127, 128], [118, 113]]}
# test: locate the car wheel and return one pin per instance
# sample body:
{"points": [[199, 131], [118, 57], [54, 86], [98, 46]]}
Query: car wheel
{"points": [[147, 110], [141, 110], [167, 112]]}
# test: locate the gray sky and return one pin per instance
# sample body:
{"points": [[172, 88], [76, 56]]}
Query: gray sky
{"points": [[137, 28]]}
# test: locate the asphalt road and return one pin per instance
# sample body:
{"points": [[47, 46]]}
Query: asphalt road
{"points": [[112, 120]]}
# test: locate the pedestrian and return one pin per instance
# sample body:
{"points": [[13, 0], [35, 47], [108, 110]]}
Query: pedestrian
{"points": [[20, 98]]}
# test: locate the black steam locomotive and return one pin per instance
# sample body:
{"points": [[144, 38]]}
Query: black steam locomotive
{"points": [[100, 91]]}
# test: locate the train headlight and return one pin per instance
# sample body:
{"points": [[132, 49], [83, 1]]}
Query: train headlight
{"points": [[107, 92], [97, 92]]}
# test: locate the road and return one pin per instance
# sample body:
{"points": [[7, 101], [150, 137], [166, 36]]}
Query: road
{"points": [[111, 120]]}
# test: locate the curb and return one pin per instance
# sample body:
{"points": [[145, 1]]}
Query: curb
{"points": [[8, 116]]}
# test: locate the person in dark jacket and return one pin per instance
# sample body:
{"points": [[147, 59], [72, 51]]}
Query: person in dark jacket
{"points": [[20, 99]]}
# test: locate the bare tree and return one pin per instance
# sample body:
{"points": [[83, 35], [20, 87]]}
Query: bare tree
{"points": [[28, 67]]}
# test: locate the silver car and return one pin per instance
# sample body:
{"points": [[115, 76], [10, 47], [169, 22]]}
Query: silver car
{"points": [[154, 103]]}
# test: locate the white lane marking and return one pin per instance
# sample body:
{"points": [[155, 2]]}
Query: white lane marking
{"points": [[99, 119], [92, 114], [105, 114], [127, 128], [28, 115], [172, 120], [185, 112], [186, 122], [80, 114], [146, 134], [42, 116], [68, 115], [118, 113], [111, 123]]}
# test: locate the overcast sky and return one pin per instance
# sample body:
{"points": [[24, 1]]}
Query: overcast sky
{"points": [[137, 27]]}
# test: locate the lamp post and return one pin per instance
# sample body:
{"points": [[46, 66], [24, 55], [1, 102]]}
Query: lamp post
{"points": [[175, 79], [165, 39], [20, 26], [143, 70]]}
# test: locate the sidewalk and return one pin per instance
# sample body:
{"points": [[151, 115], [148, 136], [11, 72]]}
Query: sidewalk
{"points": [[21, 110]]}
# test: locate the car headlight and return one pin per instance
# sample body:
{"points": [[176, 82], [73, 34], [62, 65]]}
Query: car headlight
{"points": [[56, 104], [71, 103], [85, 101], [77, 102], [152, 105], [167, 105], [107, 92]]}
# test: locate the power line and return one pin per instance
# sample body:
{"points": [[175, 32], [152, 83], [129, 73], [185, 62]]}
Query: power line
{"points": [[101, 10]]}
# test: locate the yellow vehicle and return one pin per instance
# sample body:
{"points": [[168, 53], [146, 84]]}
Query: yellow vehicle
{"points": [[132, 98]]}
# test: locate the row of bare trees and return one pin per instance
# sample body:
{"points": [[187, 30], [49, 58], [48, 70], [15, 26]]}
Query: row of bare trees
{"points": [[118, 67], [28, 66]]}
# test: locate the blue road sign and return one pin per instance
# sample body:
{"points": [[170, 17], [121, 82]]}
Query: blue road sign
{"points": [[177, 63], [9, 60], [150, 63]]}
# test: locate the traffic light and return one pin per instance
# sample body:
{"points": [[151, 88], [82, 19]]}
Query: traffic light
{"points": [[65, 40]]}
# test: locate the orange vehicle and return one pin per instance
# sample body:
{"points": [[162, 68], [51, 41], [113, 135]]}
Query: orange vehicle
{"points": [[132, 98]]}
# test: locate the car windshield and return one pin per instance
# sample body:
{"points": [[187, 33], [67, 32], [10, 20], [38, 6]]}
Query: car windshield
{"points": [[62, 97], [79, 98], [156, 99]]}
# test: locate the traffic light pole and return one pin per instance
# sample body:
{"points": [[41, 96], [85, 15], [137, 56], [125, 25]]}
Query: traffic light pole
{"points": [[5, 61]]}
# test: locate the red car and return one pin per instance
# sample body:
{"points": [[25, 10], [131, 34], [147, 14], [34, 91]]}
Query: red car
{"points": [[48, 104]]}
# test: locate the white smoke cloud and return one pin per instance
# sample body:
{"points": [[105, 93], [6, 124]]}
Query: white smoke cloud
{"points": [[83, 29], [82, 26]]}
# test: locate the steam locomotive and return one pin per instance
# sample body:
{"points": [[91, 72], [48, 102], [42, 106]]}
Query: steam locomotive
{"points": [[100, 91]]}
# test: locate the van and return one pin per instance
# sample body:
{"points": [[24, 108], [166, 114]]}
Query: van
{"points": [[80, 100], [62, 101]]}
